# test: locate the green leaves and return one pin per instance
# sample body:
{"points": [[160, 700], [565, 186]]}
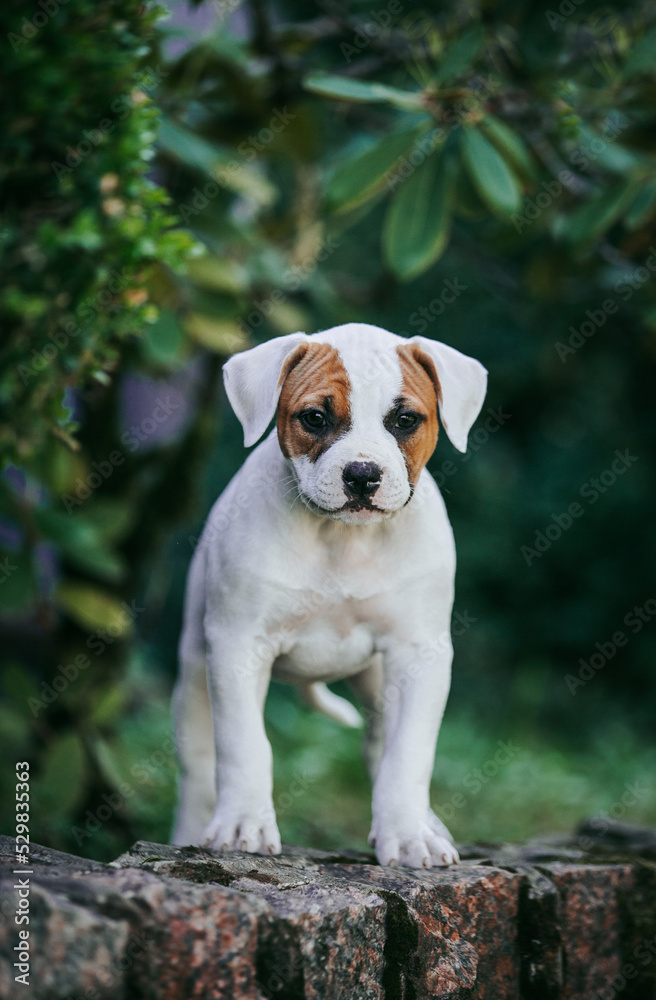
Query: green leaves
{"points": [[83, 222], [490, 173], [227, 170], [93, 608], [642, 56], [598, 214], [18, 589], [357, 180], [81, 541], [460, 55], [164, 341], [643, 207], [423, 180], [510, 145], [417, 224], [602, 148], [61, 783], [345, 89], [418, 221]]}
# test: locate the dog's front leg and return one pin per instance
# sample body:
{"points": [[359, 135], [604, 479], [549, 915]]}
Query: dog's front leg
{"points": [[244, 818], [404, 830]]}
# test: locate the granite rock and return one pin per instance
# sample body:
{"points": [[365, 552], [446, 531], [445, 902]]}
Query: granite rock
{"points": [[553, 919]]}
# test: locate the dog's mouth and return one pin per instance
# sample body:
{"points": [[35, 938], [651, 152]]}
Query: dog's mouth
{"points": [[358, 505], [350, 507]]}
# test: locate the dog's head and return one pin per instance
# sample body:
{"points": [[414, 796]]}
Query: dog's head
{"points": [[357, 411]]}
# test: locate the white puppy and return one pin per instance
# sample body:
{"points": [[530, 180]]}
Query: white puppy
{"points": [[329, 555]]}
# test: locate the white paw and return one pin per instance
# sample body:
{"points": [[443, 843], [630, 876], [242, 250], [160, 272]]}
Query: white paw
{"points": [[235, 830], [424, 846]]}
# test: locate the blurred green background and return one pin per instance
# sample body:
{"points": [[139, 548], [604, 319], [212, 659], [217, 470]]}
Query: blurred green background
{"points": [[179, 187]]}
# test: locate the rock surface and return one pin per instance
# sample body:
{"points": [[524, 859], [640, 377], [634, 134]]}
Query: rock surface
{"points": [[572, 919]]}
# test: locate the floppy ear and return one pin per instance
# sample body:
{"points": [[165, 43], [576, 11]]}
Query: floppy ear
{"points": [[253, 381], [461, 386]]}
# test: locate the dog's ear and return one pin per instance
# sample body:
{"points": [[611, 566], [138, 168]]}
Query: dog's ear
{"points": [[460, 382], [253, 380]]}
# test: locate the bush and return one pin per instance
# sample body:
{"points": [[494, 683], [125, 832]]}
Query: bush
{"points": [[90, 251], [84, 229]]}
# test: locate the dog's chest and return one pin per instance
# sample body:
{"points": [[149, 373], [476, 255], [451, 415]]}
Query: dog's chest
{"points": [[330, 627], [336, 594], [331, 639], [323, 652]]}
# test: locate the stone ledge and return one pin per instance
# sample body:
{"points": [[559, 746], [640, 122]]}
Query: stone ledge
{"points": [[550, 919]]}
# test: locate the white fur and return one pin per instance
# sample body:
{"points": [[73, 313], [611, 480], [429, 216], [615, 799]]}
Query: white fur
{"points": [[278, 590]]}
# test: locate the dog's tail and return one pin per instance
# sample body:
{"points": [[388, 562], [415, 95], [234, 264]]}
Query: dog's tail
{"points": [[320, 697]]}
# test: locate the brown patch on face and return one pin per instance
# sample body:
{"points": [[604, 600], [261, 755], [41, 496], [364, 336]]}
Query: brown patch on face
{"points": [[313, 377], [420, 392]]}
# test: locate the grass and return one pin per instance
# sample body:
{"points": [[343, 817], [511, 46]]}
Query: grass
{"points": [[490, 783], [487, 785]]}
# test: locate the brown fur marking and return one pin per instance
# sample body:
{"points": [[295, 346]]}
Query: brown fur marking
{"points": [[314, 376], [420, 391]]}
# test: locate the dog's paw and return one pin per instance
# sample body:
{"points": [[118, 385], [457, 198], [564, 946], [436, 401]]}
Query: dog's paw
{"points": [[242, 832], [425, 847]]}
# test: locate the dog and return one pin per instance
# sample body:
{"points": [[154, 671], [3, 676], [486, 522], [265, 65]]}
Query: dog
{"points": [[328, 556]]}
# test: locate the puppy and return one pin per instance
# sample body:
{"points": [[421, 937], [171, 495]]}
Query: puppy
{"points": [[328, 556]]}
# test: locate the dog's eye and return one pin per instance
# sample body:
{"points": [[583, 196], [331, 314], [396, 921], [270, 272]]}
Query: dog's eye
{"points": [[314, 420], [406, 421]]}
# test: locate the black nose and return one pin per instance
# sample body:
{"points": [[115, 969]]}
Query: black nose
{"points": [[361, 479]]}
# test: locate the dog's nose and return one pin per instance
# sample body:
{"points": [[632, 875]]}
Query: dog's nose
{"points": [[361, 479]]}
